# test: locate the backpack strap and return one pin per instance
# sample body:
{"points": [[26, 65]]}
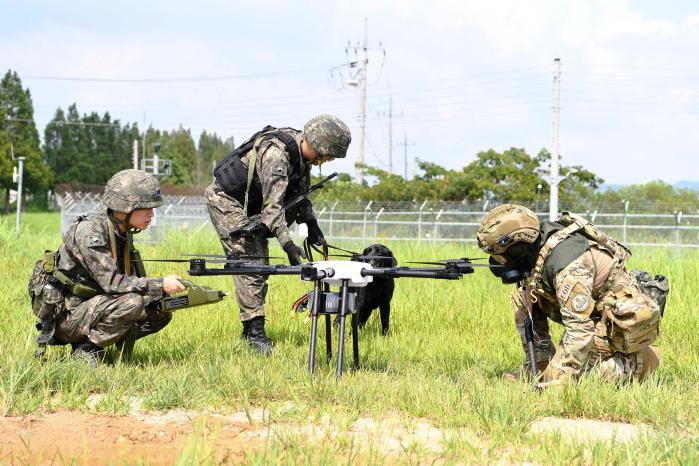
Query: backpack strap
{"points": [[288, 141], [545, 251]]}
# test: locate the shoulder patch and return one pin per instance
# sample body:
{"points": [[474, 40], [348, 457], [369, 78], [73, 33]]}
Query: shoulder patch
{"points": [[565, 292], [580, 302], [279, 170], [96, 241]]}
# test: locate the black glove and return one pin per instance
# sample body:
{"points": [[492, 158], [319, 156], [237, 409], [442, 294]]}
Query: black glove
{"points": [[315, 236], [294, 253]]}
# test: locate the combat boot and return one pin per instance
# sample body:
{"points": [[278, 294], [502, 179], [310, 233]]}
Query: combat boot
{"points": [[254, 334], [650, 357], [87, 352]]}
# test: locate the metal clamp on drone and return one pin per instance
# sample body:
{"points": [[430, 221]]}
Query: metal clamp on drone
{"points": [[348, 275]]}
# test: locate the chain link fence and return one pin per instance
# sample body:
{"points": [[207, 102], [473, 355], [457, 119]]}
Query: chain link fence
{"points": [[423, 221]]}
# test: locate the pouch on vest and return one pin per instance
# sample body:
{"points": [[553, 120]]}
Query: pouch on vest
{"points": [[656, 288], [633, 320], [233, 176], [45, 293]]}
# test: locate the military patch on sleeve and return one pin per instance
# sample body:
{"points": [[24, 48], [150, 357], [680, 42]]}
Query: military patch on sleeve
{"points": [[565, 292], [580, 302], [96, 241], [279, 170]]}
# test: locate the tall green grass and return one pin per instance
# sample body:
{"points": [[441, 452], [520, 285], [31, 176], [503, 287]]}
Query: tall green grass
{"points": [[449, 344]]}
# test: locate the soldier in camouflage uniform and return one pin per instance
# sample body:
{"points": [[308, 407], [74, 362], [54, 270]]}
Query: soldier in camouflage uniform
{"points": [[246, 204], [571, 273], [101, 300]]}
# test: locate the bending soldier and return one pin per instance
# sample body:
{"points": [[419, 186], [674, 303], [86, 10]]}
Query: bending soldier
{"points": [[246, 204], [571, 273], [92, 293]]}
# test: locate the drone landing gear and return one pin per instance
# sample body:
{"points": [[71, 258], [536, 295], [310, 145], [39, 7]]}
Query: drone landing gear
{"points": [[323, 304]]}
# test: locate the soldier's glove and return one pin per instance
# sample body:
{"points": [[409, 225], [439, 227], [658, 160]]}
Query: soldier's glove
{"points": [[315, 236], [294, 253]]}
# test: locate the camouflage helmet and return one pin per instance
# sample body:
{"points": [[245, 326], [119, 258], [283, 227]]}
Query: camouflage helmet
{"points": [[131, 189], [328, 135], [506, 225]]}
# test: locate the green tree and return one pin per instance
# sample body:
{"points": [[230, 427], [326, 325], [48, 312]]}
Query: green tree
{"points": [[19, 136], [178, 146], [211, 149]]}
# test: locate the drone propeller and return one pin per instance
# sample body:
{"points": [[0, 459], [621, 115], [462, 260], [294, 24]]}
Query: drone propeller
{"points": [[231, 257], [161, 260], [181, 261], [463, 260], [361, 257]]}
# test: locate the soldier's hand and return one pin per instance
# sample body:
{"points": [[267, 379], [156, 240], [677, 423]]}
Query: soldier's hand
{"points": [[315, 236], [294, 253], [172, 284]]}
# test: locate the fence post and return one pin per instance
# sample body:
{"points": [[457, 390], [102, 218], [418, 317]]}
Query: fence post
{"points": [[485, 206], [320, 214], [678, 220], [419, 221], [435, 226], [626, 214], [376, 224], [332, 211], [594, 214], [366, 211]]}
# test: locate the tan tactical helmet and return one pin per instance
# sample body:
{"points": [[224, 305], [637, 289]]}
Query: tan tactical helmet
{"points": [[504, 226], [328, 135], [129, 190]]}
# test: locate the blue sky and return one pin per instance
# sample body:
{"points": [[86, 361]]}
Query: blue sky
{"points": [[464, 76]]}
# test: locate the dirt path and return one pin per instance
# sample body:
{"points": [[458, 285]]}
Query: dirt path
{"points": [[160, 438], [98, 439]]}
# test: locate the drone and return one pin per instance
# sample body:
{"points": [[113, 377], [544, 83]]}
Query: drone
{"points": [[348, 275]]}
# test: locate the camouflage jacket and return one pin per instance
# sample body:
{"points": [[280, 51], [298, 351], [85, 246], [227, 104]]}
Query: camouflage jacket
{"points": [[571, 298], [86, 254], [274, 167]]}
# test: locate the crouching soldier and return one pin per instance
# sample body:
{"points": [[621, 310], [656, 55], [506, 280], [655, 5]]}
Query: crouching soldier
{"points": [[571, 273], [93, 291]]}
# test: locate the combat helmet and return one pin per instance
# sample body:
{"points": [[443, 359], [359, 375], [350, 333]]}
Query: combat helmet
{"points": [[328, 135], [129, 190], [506, 226]]}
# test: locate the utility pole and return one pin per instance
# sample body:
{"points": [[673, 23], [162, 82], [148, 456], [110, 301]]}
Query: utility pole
{"points": [[144, 137], [135, 154], [405, 153], [362, 105], [20, 181], [359, 79], [553, 199], [390, 134]]}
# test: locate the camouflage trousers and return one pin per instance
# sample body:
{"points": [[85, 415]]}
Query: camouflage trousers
{"points": [[226, 214], [105, 319], [626, 324]]}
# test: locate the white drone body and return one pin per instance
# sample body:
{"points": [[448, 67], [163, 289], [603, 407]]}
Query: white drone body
{"points": [[337, 271]]}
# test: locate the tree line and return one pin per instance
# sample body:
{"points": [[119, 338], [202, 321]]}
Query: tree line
{"points": [[85, 150]]}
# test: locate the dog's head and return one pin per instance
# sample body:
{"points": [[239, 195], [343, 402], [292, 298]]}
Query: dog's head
{"points": [[380, 250]]}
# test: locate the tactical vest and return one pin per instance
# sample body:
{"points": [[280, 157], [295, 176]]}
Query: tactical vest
{"points": [[47, 271], [243, 183], [573, 225]]}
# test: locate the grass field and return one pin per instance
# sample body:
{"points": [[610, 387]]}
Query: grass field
{"points": [[441, 363]]}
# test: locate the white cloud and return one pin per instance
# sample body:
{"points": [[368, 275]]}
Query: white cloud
{"points": [[608, 119]]}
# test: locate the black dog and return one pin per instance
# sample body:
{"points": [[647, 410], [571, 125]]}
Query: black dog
{"points": [[379, 292]]}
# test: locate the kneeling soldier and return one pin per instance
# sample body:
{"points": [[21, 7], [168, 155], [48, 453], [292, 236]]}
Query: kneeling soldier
{"points": [[93, 292], [571, 273]]}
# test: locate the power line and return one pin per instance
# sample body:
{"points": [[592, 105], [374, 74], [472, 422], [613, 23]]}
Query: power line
{"points": [[69, 123], [176, 80]]}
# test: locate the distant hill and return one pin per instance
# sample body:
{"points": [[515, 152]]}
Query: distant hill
{"points": [[693, 185], [684, 184]]}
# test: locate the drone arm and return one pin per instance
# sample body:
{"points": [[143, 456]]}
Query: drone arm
{"points": [[406, 272], [197, 267]]}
